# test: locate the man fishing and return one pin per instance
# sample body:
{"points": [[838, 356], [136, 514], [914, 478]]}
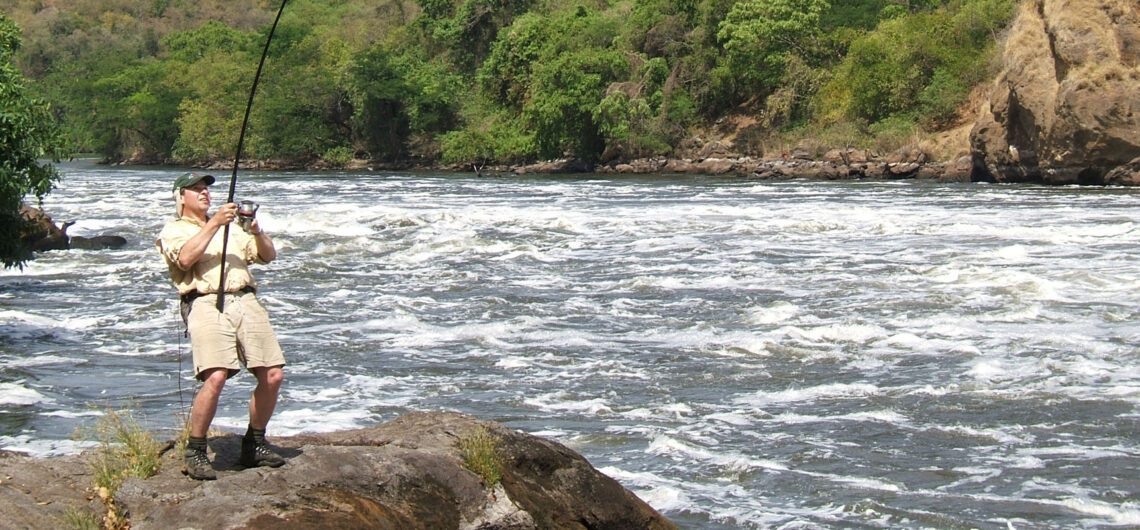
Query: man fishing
{"points": [[232, 333]]}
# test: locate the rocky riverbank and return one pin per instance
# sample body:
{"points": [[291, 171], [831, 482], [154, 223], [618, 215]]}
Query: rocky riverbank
{"points": [[409, 473], [836, 164]]}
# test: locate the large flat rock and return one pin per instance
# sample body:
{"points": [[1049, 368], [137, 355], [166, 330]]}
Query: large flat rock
{"points": [[407, 474]]}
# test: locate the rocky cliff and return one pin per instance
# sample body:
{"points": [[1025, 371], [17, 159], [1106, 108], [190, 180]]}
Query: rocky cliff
{"points": [[1066, 106], [407, 474]]}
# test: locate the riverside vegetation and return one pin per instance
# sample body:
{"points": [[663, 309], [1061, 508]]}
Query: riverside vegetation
{"points": [[462, 82]]}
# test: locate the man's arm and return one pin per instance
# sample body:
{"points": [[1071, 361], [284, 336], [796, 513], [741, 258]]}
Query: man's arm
{"points": [[193, 250], [266, 252]]}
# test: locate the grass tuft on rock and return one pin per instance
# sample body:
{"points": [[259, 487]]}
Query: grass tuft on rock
{"points": [[480, 455], [80, 519], [125, 450]]}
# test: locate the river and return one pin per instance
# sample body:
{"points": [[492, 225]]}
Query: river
{"points": [[739, 353]]}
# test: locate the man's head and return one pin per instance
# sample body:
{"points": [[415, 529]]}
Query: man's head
{"points": [[196, 183], [186, 180]]}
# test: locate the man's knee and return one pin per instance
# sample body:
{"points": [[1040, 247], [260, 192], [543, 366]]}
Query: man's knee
{"points": [[272, 376], [213, 379], [276, 376]]}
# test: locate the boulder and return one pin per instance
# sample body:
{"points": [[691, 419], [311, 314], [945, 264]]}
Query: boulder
{"points": [[903, 169], [565, 165], [910, 154], [714, 166], [1064, 108], [100, 242], [408, 474], [846, 156], [40, 232], [679, 165], [1125, 175]]}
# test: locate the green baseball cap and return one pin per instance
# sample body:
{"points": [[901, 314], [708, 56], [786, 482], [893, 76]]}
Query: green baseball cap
{"points": [[190, 179]]}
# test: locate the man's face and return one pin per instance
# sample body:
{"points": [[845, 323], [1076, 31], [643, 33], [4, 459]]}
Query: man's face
{"points": [[196, 198]]}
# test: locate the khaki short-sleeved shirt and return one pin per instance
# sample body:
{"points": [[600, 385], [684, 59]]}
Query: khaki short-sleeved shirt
{"points": [[203, 276]]}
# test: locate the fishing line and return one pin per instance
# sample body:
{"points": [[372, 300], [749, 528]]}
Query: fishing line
{"points": [[181, 399], [237, 156]]}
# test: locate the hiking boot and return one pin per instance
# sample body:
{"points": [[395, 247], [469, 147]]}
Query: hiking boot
{"points": [[258, 454], [198, 465]]}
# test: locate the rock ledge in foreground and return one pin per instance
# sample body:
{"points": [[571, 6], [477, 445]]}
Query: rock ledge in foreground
{"points": [[407, 473]]}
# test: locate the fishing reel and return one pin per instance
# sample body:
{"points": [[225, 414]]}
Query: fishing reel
{"points": [[246, 211]]}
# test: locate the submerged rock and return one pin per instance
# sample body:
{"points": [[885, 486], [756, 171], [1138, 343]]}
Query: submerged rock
{"points": [[40, 234]]}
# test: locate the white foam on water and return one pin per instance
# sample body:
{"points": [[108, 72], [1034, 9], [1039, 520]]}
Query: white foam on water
{"points": [[881, 416], [566, 402], [858, 482], [808, 394], [662, 494], [1021, 462], [1027, 314], [289, 421], [998, 371], [43, 448], [16, 393], [672, 447], [41, 359], [776, 313], [1077, 452], [139, 350], [732, 418], [910, 342], [318, 395], [1009, 255], [8, 317], [857, 333], [1124, 514], [997, 435], [512, 363], [72, 414], [973, 475]]}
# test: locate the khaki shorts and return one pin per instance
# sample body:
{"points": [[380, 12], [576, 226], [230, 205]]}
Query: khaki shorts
{"points": [[239, 337]]}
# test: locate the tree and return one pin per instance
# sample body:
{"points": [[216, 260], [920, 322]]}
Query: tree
{"points": [[378, 91], [27, 135], [760, 36]]}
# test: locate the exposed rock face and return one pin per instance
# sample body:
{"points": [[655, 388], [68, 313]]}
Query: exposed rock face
{"points": [[1126, 175], [1065, 108], [405, 474], [40, 232]]}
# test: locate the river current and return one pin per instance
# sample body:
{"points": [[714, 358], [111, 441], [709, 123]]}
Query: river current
{"points": [[738, 353]]}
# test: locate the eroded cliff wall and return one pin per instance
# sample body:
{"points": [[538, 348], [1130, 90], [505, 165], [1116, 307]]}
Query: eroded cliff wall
{"points": [[1066, 106]]}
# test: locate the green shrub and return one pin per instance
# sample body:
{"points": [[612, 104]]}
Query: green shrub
{"points": [[338, 156], [921, 61], [894, 132]]}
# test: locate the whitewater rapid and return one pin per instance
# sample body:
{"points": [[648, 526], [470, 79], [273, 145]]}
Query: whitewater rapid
{"points": [[740, 354]]}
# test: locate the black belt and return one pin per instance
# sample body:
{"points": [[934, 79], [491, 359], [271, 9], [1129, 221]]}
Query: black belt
{"points": [[194, 295]]}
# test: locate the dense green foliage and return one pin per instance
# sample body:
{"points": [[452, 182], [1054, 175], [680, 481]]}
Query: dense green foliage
{"points": [[473, 81], [27, 135]]}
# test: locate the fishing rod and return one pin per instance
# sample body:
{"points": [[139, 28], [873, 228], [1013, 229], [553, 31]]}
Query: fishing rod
{"points": [[221, 303]]}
